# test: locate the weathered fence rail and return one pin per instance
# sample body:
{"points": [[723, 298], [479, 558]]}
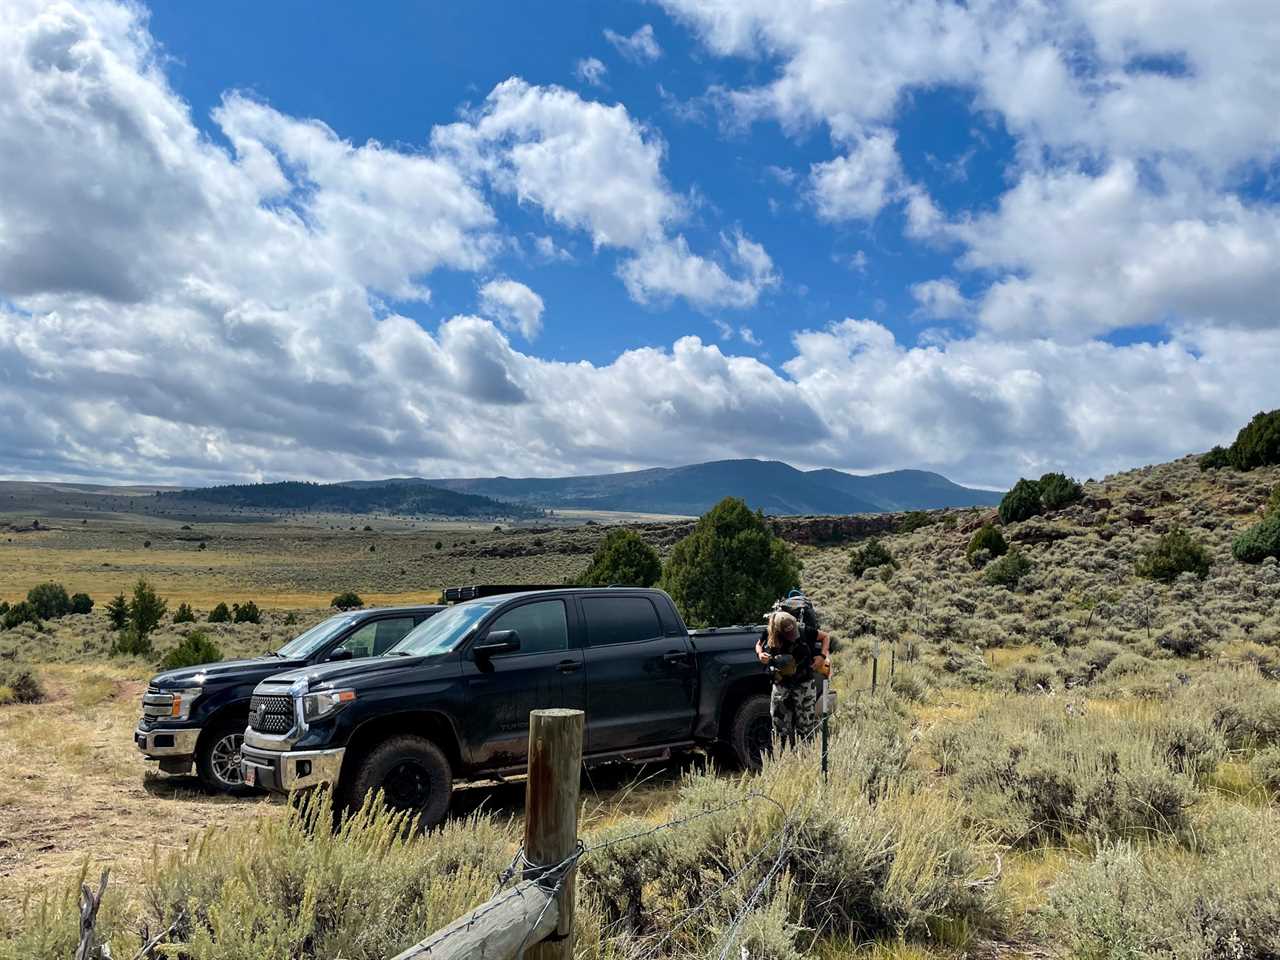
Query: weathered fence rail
{"points": [[525, 914]]}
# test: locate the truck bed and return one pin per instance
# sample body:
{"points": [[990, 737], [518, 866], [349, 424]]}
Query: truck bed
{"points": [[726, 657]]}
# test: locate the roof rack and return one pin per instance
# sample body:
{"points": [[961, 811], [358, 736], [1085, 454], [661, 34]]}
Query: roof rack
{"points": [[459, 594]]}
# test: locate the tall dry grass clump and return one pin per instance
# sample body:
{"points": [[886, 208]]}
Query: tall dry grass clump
{"points": [[292, 886], [869, 853]]}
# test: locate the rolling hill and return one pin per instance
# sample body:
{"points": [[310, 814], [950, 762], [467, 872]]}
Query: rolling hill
{"points": [[390, 496], [768, 485]]}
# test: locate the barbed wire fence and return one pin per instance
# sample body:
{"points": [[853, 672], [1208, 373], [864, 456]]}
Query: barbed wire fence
{"points": [[537, 887]]}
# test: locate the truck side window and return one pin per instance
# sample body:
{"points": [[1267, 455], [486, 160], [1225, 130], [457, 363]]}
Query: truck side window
{"points": [[376, 638], [389, 633], [542, 626], [620, 620]]}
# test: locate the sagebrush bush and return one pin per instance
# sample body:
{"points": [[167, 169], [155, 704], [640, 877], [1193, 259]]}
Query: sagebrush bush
{"points": [[1260, 541], [1173, 553], [912, 683], [1244, 708], [196, 648], [987, 538], [865, 856], [1188, 744], [1265, 765], [1135, 900], [1030, 676], [1008, 570], [19, 683], [1021, 502], [1037, 773]]}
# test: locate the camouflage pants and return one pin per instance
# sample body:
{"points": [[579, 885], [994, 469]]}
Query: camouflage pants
{"points": [[794, 711]]}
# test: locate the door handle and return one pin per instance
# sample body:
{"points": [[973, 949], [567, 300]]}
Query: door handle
{"points": [[568, 666], [675, 656]]}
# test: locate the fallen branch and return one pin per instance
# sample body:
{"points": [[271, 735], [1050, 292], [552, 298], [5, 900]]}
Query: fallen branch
{"points": [[145, 953]]}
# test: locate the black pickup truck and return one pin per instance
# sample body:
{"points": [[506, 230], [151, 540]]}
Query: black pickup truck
{"points": [[451, 701], [197, 715]]}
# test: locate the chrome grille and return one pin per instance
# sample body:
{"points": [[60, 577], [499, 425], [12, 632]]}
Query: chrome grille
{"points": [[156, 703], [271, 714]]}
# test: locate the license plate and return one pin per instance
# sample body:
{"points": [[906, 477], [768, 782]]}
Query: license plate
{"points": [[250, 776]]}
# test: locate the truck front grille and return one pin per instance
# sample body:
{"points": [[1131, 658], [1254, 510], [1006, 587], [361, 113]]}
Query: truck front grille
{"points": [[268, 714]]}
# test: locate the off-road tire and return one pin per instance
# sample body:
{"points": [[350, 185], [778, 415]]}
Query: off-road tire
{"points": [[751, 721], [218, 757], [413, 774]]}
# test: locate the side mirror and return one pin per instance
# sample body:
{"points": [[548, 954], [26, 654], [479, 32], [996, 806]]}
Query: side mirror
{"points": [[342, 653], [498, 641]]}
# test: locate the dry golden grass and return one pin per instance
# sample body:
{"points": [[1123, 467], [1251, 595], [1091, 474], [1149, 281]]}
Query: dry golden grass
{"points": [[75, 788], [76, 791]]}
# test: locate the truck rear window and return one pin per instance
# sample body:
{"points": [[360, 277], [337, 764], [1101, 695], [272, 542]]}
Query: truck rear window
{"points": [[620, 620]]}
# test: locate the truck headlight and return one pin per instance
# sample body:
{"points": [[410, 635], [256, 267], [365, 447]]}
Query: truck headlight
{"points": [[324, 703], [182, 701]]}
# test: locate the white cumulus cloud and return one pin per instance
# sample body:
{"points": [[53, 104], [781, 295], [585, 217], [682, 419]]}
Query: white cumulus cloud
{"points": [[513, 305]]}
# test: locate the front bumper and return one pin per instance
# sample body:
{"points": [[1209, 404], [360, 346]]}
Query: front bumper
{"points": [[164, 742], [285, 771]]}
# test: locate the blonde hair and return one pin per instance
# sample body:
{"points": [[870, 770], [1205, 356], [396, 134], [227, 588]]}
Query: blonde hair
{"points": [[781, 625]]}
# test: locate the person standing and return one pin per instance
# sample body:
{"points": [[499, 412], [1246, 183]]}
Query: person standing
{"points": [[794, 656]]}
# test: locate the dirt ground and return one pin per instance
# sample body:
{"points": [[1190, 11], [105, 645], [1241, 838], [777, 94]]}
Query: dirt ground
{"points": [[77, 792]]}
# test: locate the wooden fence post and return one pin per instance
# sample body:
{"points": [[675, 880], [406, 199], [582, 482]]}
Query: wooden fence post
{"points": [[551, 813]]}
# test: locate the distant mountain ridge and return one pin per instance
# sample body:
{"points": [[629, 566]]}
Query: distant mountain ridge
{"points": [[413, 498], [768, 485]]}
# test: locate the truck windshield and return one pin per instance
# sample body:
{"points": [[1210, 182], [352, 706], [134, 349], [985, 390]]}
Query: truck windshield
{"points": [[444, 631], [305, 644]]}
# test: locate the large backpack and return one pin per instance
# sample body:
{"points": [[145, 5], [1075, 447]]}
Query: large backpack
{"points": [[798, 605]]}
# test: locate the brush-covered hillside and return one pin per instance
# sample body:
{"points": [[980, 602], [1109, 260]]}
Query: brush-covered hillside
{"points": [[1081, 588]]}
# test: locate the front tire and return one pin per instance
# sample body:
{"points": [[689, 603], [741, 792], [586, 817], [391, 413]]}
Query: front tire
{"points": [[751, 732], [413, 774], [218, 757]]}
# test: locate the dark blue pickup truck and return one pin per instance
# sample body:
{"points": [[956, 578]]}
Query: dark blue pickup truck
{"points": [[197, 715], [451, 701]]}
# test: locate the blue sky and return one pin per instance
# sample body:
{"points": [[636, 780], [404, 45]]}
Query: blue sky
{"points": [[393, 77], [321, 241]]}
